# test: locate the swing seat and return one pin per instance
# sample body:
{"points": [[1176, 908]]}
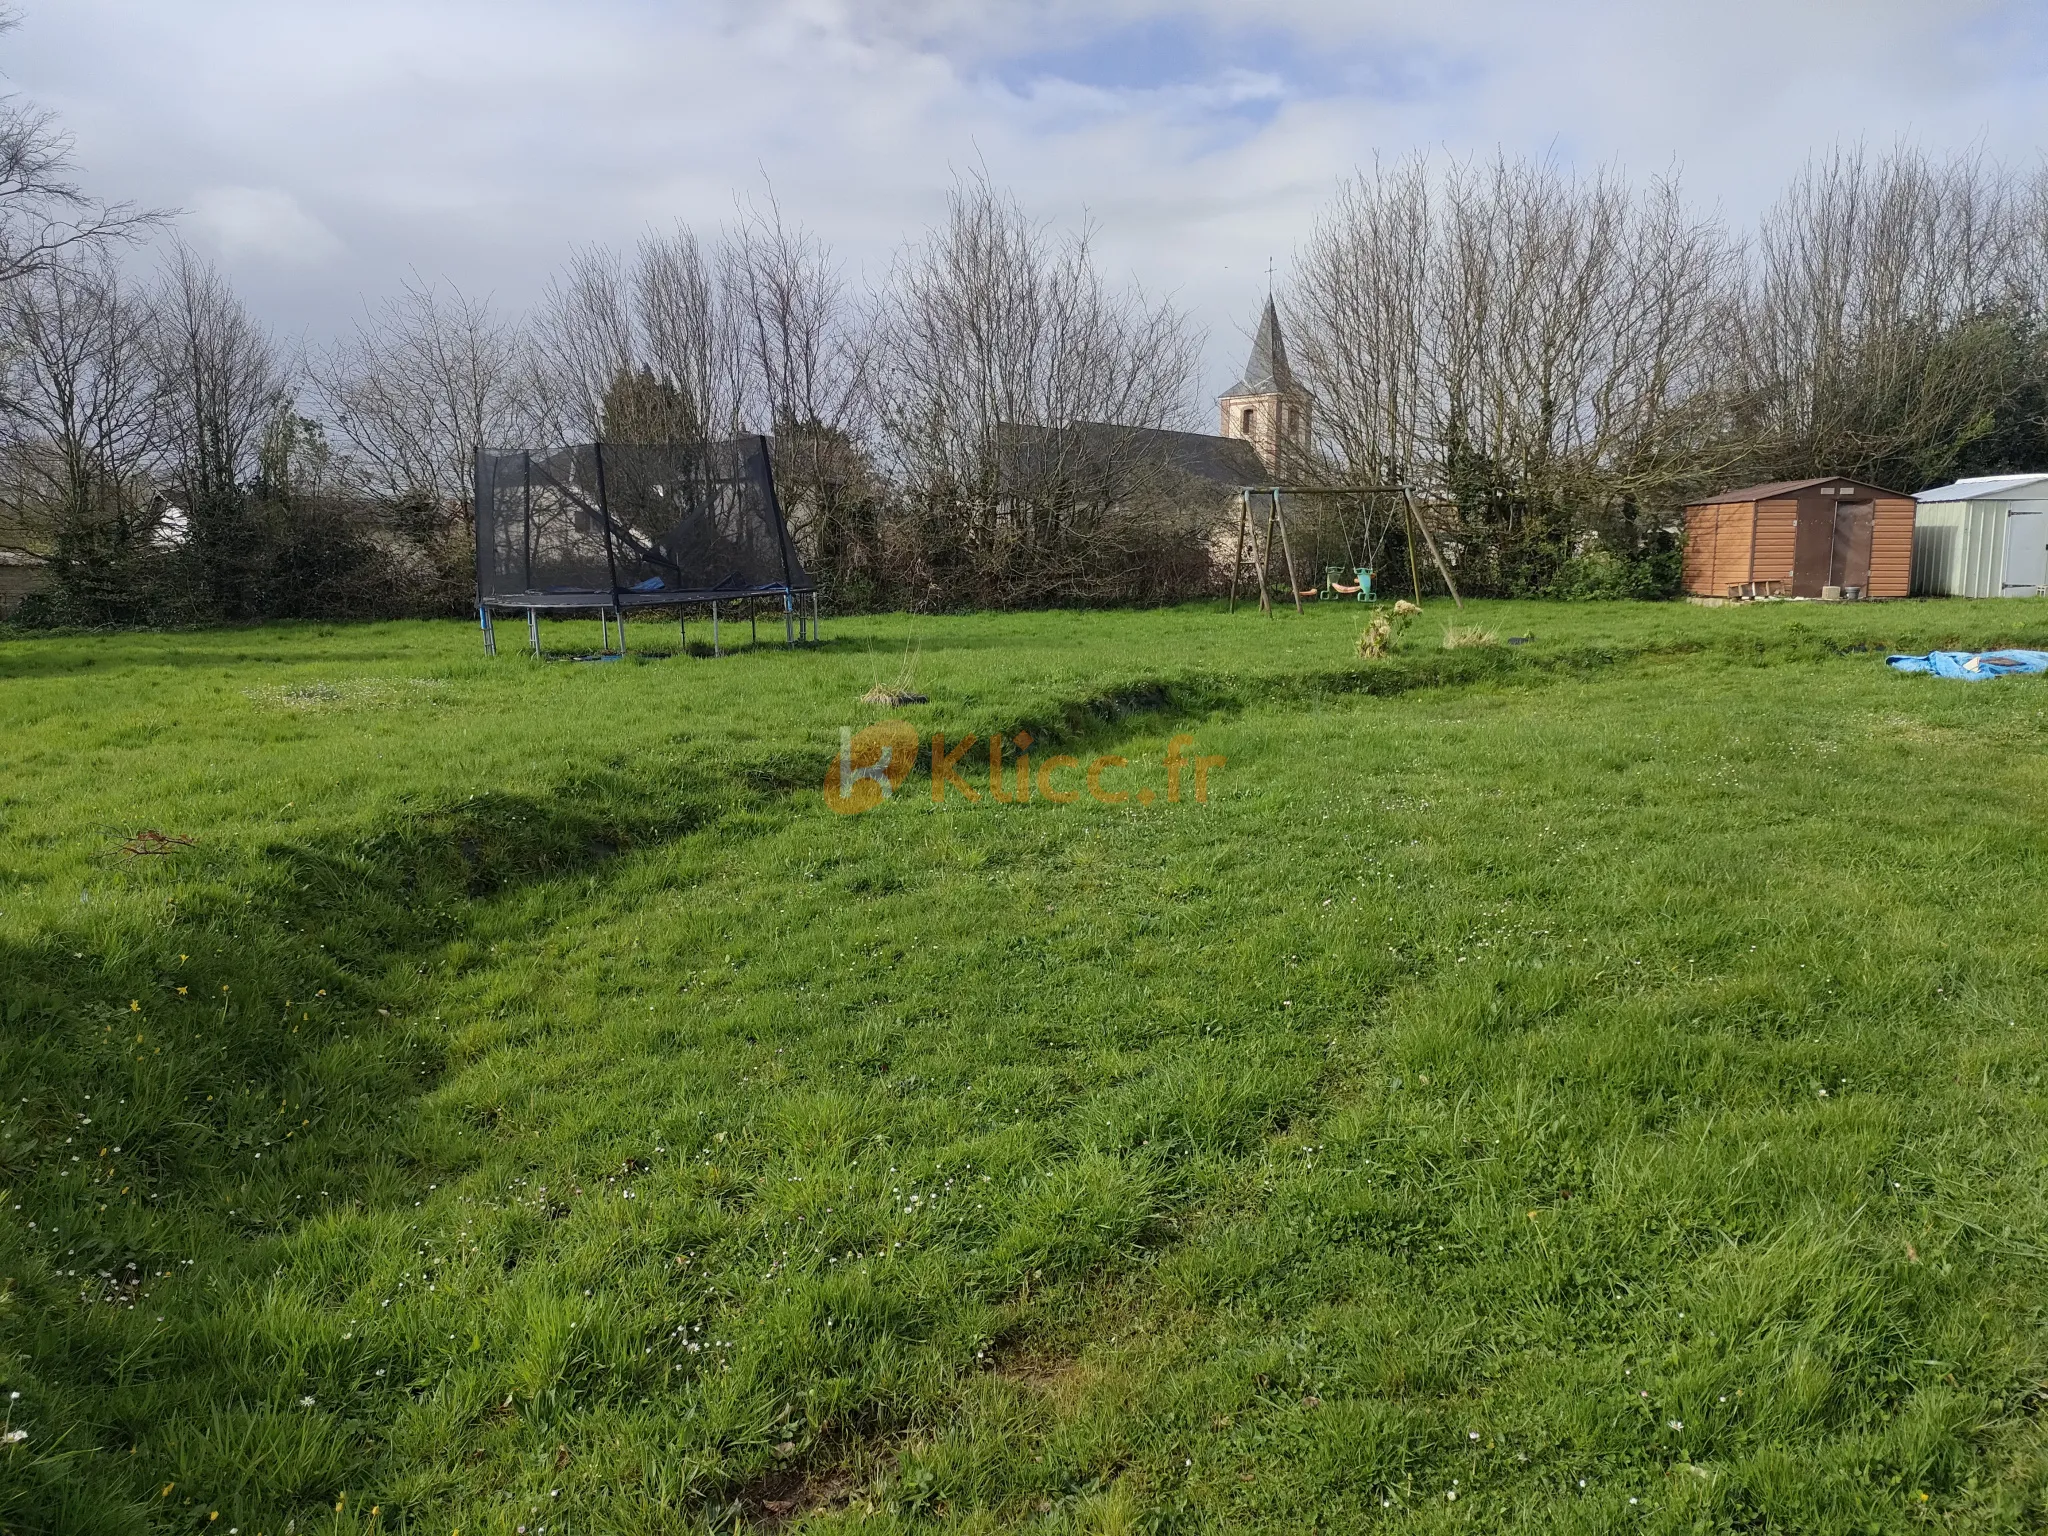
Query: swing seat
{"points": [[1336, 588], [1364, 587]]}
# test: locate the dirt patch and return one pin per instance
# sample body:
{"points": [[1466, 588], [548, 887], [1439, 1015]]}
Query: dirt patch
{"points": [[1062, 1380], [787, 1494]]}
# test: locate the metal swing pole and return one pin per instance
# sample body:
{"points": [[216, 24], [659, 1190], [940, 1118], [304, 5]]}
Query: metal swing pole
{"points": [[1266, 561], [1415, 516], [1287, 551], [1244, 517], [1408, 528]]}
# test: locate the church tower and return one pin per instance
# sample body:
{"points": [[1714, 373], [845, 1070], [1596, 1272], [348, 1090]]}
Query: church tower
{"points": [[1267, 407]]}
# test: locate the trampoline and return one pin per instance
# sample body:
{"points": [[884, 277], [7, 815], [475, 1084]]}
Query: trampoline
{"points": [[602, 528]]}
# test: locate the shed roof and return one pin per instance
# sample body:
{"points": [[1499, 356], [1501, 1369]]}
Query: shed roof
{"points": [[1990, 488], [1771, 488]]}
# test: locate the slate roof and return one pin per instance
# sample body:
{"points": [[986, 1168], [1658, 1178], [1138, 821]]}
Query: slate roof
{"points": [[1225, 461], [1266, 371]]}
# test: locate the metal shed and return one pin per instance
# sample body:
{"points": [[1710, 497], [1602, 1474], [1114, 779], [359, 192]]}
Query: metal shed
{"points": [[1830, 537], [1983, 537]]}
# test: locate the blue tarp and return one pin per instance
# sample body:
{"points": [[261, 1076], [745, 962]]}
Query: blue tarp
{"points": [[1972, 666]]}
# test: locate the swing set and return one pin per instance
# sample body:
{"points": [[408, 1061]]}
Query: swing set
{"points": [[1361, 552]]}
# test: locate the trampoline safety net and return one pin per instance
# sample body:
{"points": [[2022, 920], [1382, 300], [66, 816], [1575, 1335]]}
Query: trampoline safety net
{"points": [[618, 525]]}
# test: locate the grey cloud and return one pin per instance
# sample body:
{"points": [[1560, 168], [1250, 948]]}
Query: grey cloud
{"points": [[326, 150]]}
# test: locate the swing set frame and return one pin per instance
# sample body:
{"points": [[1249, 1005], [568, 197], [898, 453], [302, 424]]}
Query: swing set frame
{"points": [[1276, 518]]}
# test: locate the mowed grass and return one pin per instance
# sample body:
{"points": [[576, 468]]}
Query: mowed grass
{"points": [[1588, 1085]]}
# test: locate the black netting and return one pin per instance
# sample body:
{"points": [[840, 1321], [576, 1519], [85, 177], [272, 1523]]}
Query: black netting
{"points": [[617, 523]]}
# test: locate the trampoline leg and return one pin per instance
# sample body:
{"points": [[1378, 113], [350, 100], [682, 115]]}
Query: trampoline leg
{"points": [[754, 622], [622, 631], [483, 616], [714, 631], [788, 618], [683, 631], [814, 618], [533, 631]]}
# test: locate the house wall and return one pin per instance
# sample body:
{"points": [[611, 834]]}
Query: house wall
{"points": [[18, 581]]}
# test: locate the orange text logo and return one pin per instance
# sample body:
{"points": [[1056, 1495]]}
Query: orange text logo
{"points": [[871, 766], [873, 763]]}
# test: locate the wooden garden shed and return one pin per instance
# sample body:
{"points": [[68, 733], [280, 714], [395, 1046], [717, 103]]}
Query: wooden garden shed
{"points": [[1830, 537]]}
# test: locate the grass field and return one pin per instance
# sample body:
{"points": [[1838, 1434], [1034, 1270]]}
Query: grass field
{"points": [[1588, 1085]]}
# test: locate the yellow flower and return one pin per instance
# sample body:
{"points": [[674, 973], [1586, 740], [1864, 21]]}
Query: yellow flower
{"points": [[181, 991]]}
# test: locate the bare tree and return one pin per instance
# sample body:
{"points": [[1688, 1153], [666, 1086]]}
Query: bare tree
{"points": [[222, 385], [79, 432], [429, 378], [46, 217], [1003, 358], [1886, 315], [1531, 347], [803, 356], [639, 351]]}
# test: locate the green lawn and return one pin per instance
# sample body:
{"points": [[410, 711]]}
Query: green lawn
{"points": [[1587, 1085]]}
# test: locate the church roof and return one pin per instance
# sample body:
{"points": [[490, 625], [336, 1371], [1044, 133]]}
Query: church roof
{"points": [[1085, 447], [1266, 371]]}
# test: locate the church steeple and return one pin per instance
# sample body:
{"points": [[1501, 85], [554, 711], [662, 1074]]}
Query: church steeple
{"points": [[1267, 407], [1266, 371]]}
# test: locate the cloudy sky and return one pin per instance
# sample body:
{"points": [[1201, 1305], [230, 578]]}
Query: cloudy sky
{"points": [[323, 151]]}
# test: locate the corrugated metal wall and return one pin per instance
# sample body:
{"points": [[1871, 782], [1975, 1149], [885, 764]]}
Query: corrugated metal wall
{"points": [[1777, 541], [1959, 548], [1717, 547]]}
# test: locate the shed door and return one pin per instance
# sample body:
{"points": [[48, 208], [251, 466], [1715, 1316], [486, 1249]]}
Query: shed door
{"points": [[1813, 548], [2026, 555], [1850, 566]]}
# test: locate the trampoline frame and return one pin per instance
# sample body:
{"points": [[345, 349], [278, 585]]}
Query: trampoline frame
{"points": [[612, 601]]}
